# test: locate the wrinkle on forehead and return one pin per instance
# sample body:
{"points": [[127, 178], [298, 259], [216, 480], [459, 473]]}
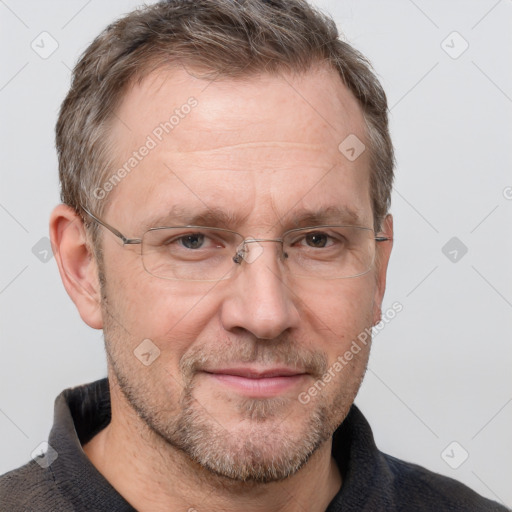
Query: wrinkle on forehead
{"points": [[251, 157], [268, 144]]}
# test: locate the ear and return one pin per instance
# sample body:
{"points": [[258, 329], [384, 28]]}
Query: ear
{"points": [[381, 264], [76, 262]]}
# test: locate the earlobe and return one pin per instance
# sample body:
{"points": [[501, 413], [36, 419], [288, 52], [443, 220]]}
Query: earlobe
{"points": [[77, 264], [382, 259]]}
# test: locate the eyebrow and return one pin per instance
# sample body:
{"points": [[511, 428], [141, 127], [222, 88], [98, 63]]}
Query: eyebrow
{"points": [[183, 216], [324, 215], [215, 217]]}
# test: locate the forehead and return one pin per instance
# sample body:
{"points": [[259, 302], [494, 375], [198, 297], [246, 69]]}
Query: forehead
{"points": [[263, 144]]}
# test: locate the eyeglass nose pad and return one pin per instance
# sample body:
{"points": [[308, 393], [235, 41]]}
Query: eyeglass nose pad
{"points": [[247, 253]]}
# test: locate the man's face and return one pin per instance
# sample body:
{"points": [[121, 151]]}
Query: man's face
{"points": [[236, 354]]}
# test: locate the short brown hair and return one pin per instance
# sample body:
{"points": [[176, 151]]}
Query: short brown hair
{"points": [[220, 39]]}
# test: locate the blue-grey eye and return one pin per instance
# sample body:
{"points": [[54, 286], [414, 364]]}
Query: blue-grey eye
{"points": [[193, 241]]}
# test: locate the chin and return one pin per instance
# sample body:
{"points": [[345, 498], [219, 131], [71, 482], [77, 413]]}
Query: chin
{"points": [[261, 446]]}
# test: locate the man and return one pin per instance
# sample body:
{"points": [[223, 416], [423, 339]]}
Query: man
{"points": [[226, 171]]}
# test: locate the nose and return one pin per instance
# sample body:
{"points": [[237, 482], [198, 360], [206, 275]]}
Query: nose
{"points": [[258, 299]]}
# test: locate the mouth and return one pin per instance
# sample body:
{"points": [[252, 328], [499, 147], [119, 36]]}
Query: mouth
{"points": [[257, 382]]}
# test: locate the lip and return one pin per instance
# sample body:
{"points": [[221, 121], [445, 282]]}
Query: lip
{"points": [[257, 382]]}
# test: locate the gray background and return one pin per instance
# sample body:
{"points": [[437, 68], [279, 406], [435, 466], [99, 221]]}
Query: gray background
{"points": [[439, 371]]}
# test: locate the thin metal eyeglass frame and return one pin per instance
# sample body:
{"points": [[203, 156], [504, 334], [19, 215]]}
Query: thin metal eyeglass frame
{"points": [[238, 257]]}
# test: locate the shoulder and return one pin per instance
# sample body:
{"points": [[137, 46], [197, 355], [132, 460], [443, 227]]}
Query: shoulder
{"points": [[30, 488], [417, 488], [374, 480]]}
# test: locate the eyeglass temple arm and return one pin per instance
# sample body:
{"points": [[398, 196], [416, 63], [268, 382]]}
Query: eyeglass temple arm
{"points": [[126, 241]]}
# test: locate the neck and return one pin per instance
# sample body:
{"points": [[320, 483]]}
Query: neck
{"points": [[154, 476]]}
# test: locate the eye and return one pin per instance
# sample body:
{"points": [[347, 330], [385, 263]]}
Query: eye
{"points": [[192, 241], [187, 241], [317, 240]]}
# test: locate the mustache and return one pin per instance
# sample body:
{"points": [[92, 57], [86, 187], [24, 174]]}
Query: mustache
{"points": [[282, 351]]}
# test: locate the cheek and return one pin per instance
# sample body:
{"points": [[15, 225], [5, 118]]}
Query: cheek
{"points": [[337, 320], [171, 314], [341, 309]]}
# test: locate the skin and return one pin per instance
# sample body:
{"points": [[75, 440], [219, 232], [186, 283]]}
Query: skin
{"points": [[263, 150]]}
